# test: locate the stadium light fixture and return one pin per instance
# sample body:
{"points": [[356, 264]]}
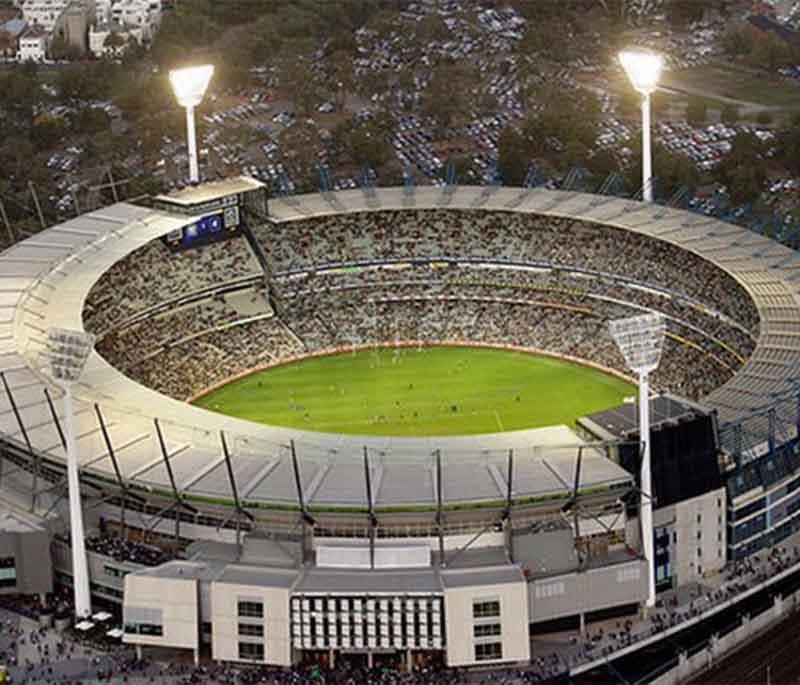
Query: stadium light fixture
{"points": [[67, 353], [643, 70], [640, 339], [189, 86]]}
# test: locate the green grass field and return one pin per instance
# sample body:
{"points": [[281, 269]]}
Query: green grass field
{"points": [[428, 391]]}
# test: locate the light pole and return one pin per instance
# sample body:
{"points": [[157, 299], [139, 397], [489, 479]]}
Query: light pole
{"points": [[643, 70], [189, 86], [67, 354], [640, 338]]}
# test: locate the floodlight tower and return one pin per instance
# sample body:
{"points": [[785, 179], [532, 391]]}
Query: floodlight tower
{"points": [[643, 70], [189, 86], [640, 338], [67, 353]]}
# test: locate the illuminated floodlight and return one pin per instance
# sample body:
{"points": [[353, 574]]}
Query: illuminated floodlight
{"points": [[67, 353], [640, 339], [189, 86], [643, 69]]}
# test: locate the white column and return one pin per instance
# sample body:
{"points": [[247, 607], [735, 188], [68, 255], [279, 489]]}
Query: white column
{"points": [[647, 154], [191, 142], [646, 487], [80, 569]]}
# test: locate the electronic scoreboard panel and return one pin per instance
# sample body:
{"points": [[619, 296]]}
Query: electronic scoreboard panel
{"points": [[219, 207]]}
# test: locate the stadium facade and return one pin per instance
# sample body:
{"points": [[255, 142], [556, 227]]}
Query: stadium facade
{"points": [[309, 544]]}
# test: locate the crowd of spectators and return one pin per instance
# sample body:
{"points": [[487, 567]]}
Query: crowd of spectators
{"points": [[505, 236], [154, 273], [546, 302], [51, 652], [123, 549], [669, 613]]}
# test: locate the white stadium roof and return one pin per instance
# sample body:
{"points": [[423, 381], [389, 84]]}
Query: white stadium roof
{"points": [[44, 282]]}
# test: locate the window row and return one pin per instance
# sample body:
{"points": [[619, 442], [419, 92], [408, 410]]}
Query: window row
{"points": [[488, 651], [144, 629], [249, 609], [486, 609]]}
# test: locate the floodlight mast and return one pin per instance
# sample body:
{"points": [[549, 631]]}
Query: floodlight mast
{"points": [[68, 351], [189, 86], [639, 339], [643, 70]]}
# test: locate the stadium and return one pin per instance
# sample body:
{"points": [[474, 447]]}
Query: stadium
{"points": [[399, 539]]}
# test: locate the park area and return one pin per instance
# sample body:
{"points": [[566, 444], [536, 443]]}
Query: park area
{"points": [[420, 391]]}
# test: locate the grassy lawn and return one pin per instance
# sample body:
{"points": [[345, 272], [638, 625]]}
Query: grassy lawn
{"points": [[716, 80], [428, 391]]}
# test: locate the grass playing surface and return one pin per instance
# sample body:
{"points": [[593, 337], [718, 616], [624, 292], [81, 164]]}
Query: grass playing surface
{"points": [[428, 391]]}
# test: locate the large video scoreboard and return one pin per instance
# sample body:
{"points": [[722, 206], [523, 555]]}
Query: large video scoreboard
{"points": [[219, 208]]}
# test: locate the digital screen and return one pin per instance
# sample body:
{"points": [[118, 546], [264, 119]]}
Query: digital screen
{"points": [[203, 230]]}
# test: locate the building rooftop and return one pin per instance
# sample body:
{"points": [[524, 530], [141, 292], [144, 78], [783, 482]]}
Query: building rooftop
{"points": [[13, 521], [496, 575], [15, 26], [259, 576], [618, 421], [210, 191], [34, 31], [328, 581], [185, 570]]}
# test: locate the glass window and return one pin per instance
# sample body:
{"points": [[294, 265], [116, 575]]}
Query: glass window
{"points": [[486, 629], [251, 609], [114, 572], [252, 651], [144, 629], [8, 572], [488, 609], [251, 629], [488, 651]]}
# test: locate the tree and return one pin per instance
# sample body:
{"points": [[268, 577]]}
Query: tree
{"points": [[771, 53], [7, 43], [696, 110], [342, 77], [446, 97], [303, 90], [81, 82], [602, 163], [744, 184], [743, 170], [671, 169], [47, 131], [62, 49], [89, 121], [362, 143], [513, 158], [789, 147], [115, 42], [683, 12], [730, 114], [739, 40], [20, 89], [432, 28]]}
